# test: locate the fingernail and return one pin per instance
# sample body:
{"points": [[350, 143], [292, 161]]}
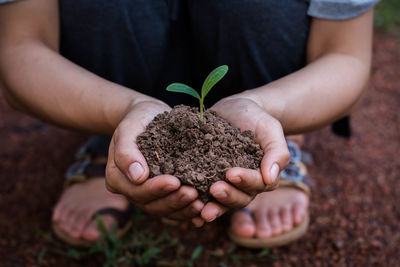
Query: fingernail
{"points": [[235, 180], [274, 172], [135, 171], [220, 195], [212, 218]]}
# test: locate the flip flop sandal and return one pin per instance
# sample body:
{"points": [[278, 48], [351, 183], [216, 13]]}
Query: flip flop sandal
{"points": [[91, 166], [294, 176]]}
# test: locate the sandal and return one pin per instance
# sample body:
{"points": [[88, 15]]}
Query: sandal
{"points": [[92, 166], [294, 176]]}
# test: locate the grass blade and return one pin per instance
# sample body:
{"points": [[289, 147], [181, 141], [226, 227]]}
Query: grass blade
{"points": [[41, 256], [196, 253]]}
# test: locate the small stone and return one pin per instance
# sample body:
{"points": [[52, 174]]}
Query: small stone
{"points": [[168, 168], [208, 137], [155, 169]]}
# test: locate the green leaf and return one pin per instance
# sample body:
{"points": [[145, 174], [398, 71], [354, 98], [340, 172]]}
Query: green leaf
{"points": [[100, 225], [214, 77], [148, 255], [183, 88], [41, 256], [263, 253], [112, 238], [196, 253], [235, 258], [74, 253]]}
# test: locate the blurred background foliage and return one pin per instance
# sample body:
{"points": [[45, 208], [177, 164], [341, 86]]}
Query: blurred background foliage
{"points": [[387, 16]]}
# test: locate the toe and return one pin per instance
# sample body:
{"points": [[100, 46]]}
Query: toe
{"points": [[70, 219], [65, 215], [242, 224], [82, 219], [57, 211], [70, 224], [263, 225], [286, 218], [299, 211], [275, 221], [91, 232]]}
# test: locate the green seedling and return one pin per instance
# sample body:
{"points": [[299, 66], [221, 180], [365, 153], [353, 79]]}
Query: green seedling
{"points": [[215, 76]]}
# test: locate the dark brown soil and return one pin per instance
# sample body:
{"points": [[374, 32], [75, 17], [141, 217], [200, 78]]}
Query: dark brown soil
{"points": [[355, 212], [198, 153]]}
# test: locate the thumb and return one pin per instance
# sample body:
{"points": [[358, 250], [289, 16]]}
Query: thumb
{"points": [[126, 154], [269, 134]]}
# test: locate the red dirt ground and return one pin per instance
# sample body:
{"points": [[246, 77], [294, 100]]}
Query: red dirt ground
{"points": [[356, 191]]}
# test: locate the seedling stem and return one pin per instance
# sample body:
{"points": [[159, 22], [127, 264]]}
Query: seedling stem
{"points": [[215, 76]]}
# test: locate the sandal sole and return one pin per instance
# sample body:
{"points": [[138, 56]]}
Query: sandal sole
{"points": [[275, 241]]}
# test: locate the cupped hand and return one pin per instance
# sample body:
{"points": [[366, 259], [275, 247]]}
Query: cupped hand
{"points": [[127, 170], [244, 113]]}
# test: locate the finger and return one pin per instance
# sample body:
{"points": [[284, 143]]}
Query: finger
{"points": [[175, 201], [125, 152], [212, 211], [229, 196], [198, 222], [189, 212], [247, 180], [269, 135], [150, 190]]}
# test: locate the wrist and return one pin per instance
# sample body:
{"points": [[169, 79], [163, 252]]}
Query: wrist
{"points": [[138, 100], [117, 108], [267, 99]]}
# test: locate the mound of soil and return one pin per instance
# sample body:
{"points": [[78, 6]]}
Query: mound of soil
{"points": [[198, 154]]}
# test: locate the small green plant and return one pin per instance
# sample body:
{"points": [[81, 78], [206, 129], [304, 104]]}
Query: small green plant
{"points": [[387, 16], [215, 76]]}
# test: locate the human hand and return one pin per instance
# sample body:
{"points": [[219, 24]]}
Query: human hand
{"points": [[244, 113], [127, 170]]}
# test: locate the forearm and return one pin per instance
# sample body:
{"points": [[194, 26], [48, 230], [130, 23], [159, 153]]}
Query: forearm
{"points": [[316, 95], [339, 56], [41, 82]]}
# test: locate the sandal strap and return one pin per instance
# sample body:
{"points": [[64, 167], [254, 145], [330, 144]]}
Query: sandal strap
{"points": [[87, 166], [83, 170], [95, 146], [298, 155], [121, 216], [295, 174], [298, 185]]}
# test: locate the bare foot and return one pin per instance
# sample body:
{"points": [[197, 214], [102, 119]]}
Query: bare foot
{"points": [[273, 213], [77, 205]]}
